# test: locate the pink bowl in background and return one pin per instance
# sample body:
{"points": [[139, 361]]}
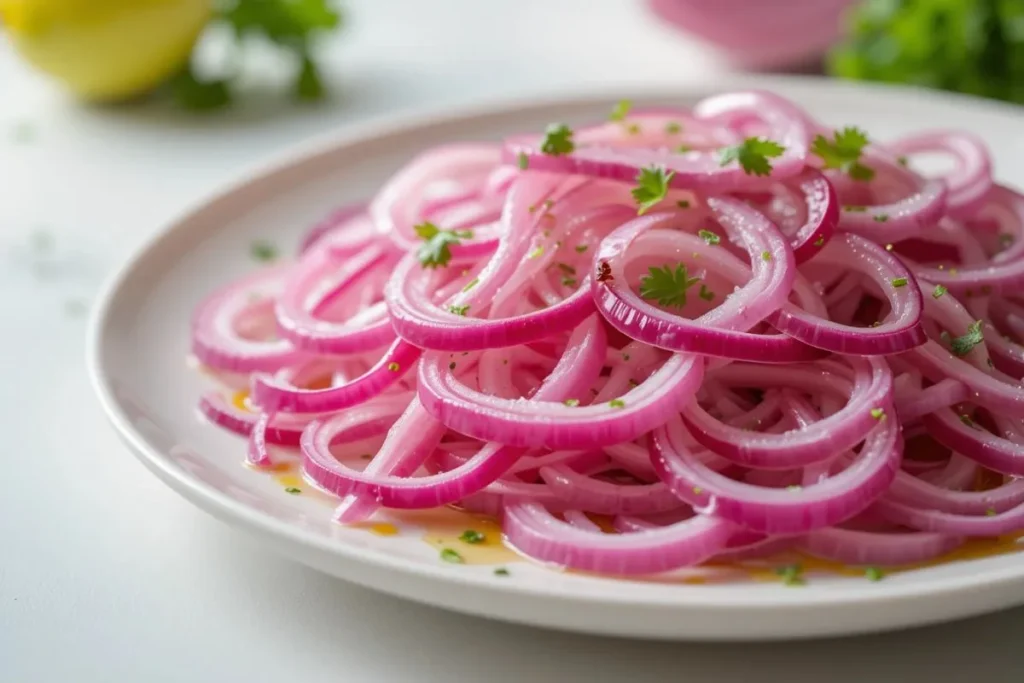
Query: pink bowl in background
{"points": [[759, 34]]}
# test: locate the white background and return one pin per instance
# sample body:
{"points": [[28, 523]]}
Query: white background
{"points": [[106, 575]]}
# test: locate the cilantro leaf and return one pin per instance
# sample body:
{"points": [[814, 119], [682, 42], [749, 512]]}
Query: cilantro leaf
{"points": [[961, 346], [651, 187], [666, 286], [557, 140], [752, 155], [436, 248], [843, 151]]}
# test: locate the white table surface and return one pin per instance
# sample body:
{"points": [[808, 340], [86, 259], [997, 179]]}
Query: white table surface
{"points": [[106, 575]]}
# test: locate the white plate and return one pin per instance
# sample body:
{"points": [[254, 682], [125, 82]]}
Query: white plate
{"points": [[139, 342]]}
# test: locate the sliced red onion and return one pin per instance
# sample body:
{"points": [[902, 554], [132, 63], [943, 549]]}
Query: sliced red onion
{"points": [[780, 511], [757, 403], [899, 332], [619, 160], [971, 181], [536, 533], [271, 393], [870, 548], [816, 440], [217, 340]]}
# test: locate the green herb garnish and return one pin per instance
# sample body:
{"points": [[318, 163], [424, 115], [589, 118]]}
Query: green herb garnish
{"points": [[843, 151], [263, 251], [501, 571], [705, 293], [394, 367], [666, 286], [436, 248], [572, 402], [673, 128], [557, 140], [452, 556], [620, 110], [522, 161], [791, 574], [459, 310], [617, 403], [938, 291], [292, 490], [873, 574], [472, 536], [709, 237], [899, 282], [753, 155], [961, 346], [878, 413], [651, 187]]}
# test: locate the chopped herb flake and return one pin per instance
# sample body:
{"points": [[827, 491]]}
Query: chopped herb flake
{"points": [[633, 128], [522, 161], [683, 149], [292, 490], [617, 403], [855, 208], [620, 111], [666, 286], [572, 402], [901, 160], [878, 413], [537, 252], [966, 419], [899, 282], [766, 256], [263, 251], [452, 556], [673, 128], [820, 241], [471, 284], [706, 294], [501, 571], [568, 282], [709, 237], [580, 248], [938, 291], [881, 217], [961, 346], [394, 367], [566, 268], [472, 536], [873, 574], [991, 512], [791, 574], [459, 310]]}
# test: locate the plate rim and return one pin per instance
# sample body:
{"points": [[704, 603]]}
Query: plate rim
{"points": [[679, 597]]}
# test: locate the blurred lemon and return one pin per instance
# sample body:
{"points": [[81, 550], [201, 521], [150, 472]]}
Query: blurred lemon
{"points": [[106, 49]]}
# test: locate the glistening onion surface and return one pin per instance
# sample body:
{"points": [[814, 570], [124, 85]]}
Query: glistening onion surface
{"points": [[674, 337]]}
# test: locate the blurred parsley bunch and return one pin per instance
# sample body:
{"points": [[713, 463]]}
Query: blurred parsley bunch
{"points": [[292, 25], [969, 46]]}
